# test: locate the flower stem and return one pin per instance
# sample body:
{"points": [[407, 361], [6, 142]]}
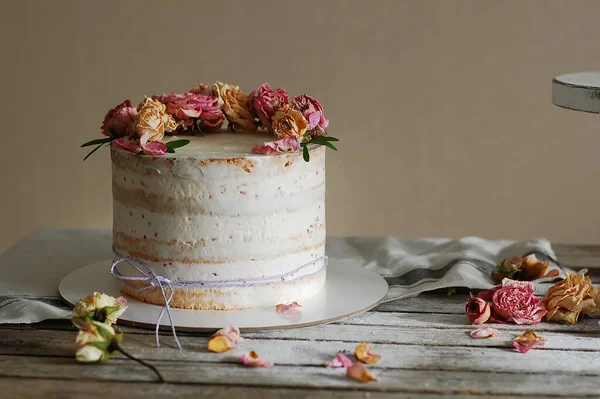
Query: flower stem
{"points": [[151, 367]]}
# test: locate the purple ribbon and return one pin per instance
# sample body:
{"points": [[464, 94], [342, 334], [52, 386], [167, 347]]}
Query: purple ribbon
{"points": [[153, 280]]}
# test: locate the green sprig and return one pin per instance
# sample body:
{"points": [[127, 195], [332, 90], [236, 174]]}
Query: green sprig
{"points": [[318, 140], [172, 145]]}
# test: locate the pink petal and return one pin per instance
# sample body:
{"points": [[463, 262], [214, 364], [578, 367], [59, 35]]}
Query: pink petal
{"points": [[231, 335], [529, 340], [128, 144], [155, 148], [282, 308], [277, 147], [252, 360], [313, 120], [339, 361], [483, 333]]}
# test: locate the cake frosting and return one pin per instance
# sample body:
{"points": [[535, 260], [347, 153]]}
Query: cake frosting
{"points": [[214, 211]]}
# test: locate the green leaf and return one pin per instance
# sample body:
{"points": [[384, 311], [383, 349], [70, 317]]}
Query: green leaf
{"points": [[328, 144], [97, 141], [170, 150], [329, 138], [305, 153], [93, 151], [111, 309], [322, 139], [104, 333], [103, 346], [177, 144]]}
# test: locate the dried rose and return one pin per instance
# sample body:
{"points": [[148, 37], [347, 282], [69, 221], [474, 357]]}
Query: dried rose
{"points": [[528, 340], [100, 307], [312, 111], [528, 268], [153, 121], [339, 361], [483, 333], [289, 123], [202, 88], [569, 298], [283, 308], [359, 372], [252, 359], [118, 122], [225, 339], [266, 102], [478, 310], [277, 147], [514, 301], [94, 342], [237, 106], [363, 353], [184, 106]]}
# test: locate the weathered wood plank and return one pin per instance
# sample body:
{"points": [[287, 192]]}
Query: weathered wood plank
{"points": [[499, 356], [390, 380]]}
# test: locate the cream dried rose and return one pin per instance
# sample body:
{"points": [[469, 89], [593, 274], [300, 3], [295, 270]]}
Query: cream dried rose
{"points": [[569, 298], [100, 307], [237, 107], [289, 123], [95, 342], [153, 121]]}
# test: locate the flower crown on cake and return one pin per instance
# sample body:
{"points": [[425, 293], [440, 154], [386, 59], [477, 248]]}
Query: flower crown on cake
{"points": [[295, 123]]}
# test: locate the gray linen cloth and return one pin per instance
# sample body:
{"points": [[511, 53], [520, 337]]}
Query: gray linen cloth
{"points": [[32, 269]]}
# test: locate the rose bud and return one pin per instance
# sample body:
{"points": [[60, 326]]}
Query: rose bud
{"points": [[478, 310]]}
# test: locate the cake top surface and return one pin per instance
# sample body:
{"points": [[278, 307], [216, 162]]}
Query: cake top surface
{"points": [[219, 145]]}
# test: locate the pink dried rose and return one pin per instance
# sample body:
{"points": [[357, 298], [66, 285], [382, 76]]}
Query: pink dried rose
{"points": [[515, 302], [283, 308], [339, 361], [266, 102], [252, 359], [478, 310], [128, 144], [528, 340], [202, 88], [483, 333], [118, 122], [186, 106], [277, 147], [312, 111]]}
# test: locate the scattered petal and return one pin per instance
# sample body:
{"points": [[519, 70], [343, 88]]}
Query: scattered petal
{"points": [[552, 273], [339, 361], [277, 147], [155, 148], [283, 308], [363, 353], [528, 340], [252, 359], [128, 144], [483, 333], [225, 339], [359, 372]]}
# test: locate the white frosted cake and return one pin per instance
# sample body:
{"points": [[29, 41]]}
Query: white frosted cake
{"points": [[214, 211], [208, 218]]}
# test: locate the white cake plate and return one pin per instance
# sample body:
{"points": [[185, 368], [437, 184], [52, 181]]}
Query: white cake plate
{"points": [[349, 290], [577, 91]]}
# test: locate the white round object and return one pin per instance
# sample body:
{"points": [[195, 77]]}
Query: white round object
{"points": [[349, 290], [577, 91]]}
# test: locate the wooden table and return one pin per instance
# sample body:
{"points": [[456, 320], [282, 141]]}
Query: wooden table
{"points": [[426, 350]]}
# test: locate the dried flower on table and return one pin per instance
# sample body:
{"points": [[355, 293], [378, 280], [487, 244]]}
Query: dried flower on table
{"points": [[528, 268], [478, 310], [528, 340], [363, 353], [570, 298], [359, 372], [339, 361], [99, 307], [514, 302], [225, 339]]}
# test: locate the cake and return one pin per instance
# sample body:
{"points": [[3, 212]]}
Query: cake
{"points": [[222, 220]]}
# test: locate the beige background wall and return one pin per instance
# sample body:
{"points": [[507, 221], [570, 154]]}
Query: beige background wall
{"points": [[443, 107]]}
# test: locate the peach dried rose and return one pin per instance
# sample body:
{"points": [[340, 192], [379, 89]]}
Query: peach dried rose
{"points": [[153, 121], [570, 298], [252, 359], [483, 333], [528, 268], [225, 339], [266, 102], [289, 123], [359, 372], [237, 107], [363, 353], [528, 340]]}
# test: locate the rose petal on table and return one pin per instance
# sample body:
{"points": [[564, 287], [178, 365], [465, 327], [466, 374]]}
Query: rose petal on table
{"points": [[359, 372], [284, 308], [363, 353], [528, 340], [225, 339], [483, 333], [339, 361], [251, 359]]}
